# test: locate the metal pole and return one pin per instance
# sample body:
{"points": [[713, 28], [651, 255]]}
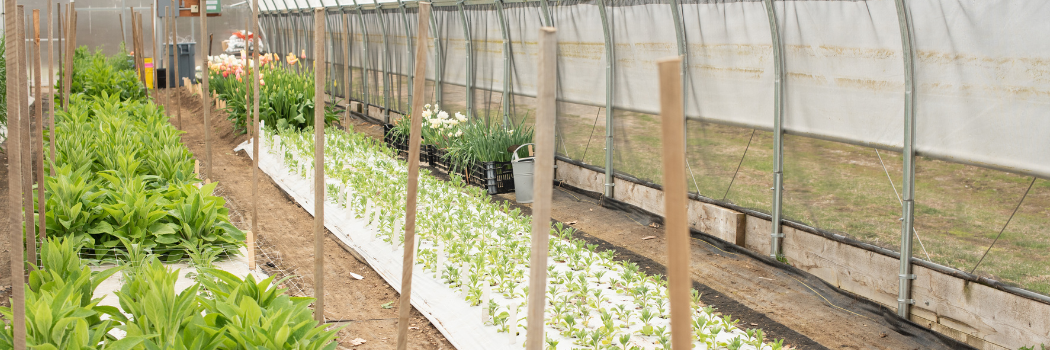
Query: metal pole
{"points": [[904, 300], [470, 61], [609, 88], [386, 64], [439, 62], [364, 55], [408, 50], [778, 131], [504, 32], [547, 21]]}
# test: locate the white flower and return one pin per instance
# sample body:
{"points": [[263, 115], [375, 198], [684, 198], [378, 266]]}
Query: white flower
{"points": [[453, 122], [427, 114], [426, 106], [434, 122], [443, 115], [459, 133], [449, 134], [436, 108], [461, 117], [433, 126]]}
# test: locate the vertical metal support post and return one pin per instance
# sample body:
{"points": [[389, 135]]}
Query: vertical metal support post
{"points": [[329, 54], [439, 62], [547, 20], [386, 63], [470, 60], [408, 50], [904, 300], [778, 131], [364, 55], [609, 89], [505, 33]]}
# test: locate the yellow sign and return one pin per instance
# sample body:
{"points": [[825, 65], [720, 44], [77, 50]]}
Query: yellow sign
{"points": [[149, 72]]}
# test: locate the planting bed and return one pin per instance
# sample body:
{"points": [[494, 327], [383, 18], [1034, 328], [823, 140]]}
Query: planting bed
{"points": [[472, 249]]}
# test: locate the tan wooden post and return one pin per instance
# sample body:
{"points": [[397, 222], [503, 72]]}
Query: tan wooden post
{"points": [[544, 178], [255, 138], [51, 82], [319, 20], [405, 303], [39, 135], [676, 202], [14, 178]]}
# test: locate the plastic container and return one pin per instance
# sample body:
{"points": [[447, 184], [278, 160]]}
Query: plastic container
{"points": [[187, 63]]}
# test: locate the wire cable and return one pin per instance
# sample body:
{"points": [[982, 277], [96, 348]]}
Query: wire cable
{"points": [[584, 158], [923, 246], [724, 196], [1004, 225]]}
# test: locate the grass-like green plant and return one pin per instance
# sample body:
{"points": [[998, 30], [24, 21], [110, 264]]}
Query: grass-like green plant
{"points": [[95, 73], [483, 142]]}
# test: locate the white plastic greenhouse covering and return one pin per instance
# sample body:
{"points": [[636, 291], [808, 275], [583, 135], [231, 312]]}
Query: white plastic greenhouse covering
{"points": [[982, 68]]}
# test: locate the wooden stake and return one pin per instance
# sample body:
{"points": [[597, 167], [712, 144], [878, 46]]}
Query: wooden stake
{"points": [[546, 113], [51, 82], [14, 178], [71, 43], [175, 47], [676, 202], [39, 135], [141, 51], [205, 101], [135, 46], [255, 136], [250, 247], [153, 40], [28, 140], [123, 36], [405, 303], [319, 20], [346, 70]]}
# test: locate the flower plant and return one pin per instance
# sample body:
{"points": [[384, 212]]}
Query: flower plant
{"points": [[471, 243]]}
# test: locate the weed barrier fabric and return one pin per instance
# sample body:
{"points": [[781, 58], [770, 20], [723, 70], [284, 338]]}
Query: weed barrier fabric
{"points": [[444, 307]]}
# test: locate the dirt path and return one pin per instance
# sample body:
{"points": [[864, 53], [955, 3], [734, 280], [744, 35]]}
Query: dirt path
{"points": [[286, 232]]}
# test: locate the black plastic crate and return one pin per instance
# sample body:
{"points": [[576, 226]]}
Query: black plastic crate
{"points": [[401, 145], [496, 177]]}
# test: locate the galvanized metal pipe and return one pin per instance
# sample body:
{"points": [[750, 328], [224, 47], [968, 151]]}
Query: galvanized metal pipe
{"points": [[470, 60], [439, 62], [609, 89], [505, 34], [904, 300], [775, 250], [408, 50], [386, 64], [364, 55], [547, 21]]}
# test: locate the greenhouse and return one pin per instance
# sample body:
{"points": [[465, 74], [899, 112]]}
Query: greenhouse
{"points": [[334, 174]]}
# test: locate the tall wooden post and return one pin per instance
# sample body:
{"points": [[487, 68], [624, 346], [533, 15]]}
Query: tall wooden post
{"points": [[319, 20], [153, 40], [51, 82], [70, 48], [346, 69], [39, 135], [544, 178], [676, 202], [14, 178], [415, 114], [205, 92], [175, 47], [28, 140], [255, 136]]}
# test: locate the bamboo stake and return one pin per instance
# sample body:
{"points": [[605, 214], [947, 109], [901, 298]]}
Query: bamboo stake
{"points": [[62, 41], [544, 177], [123, 37], [319, 78], [135, 46], [51, 81], [255, 136], [71, 43], [247, 98], [14, 180], [205, 101], [39, 134], [175, 47], [346, 69], [676, 205], [405, 304], [141, 51], [153, 40], [27, 140], [167, 60]]}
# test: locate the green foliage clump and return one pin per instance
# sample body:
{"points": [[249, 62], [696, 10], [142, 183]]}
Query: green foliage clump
{"points": [[286, 99], [222, 312], [94, 73], [124, 175], [482, 142]]}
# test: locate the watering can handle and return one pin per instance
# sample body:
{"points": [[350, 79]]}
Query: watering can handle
{"points": [[514, 155]]}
